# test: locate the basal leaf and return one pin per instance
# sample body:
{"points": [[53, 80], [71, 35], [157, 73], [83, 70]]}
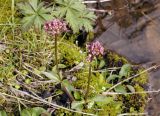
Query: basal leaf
{"points": [[3, 113], [120, 89], [52, 76], [68, 85], [77, 95], [37, 111], [112, 77], [131, 88], [125, 70], [77, 105], [101, 64], [26, 112]]}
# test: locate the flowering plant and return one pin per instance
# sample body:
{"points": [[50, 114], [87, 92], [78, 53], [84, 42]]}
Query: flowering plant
{"points": [[55, 27], [94, 49]]}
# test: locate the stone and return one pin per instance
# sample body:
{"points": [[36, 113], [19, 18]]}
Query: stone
{"points": [[140, 44]]}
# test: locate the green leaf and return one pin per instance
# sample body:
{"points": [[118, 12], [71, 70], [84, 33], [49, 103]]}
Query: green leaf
{"points": [[77, 95], [76, 14], [35, 14], [68, 85], [125, 70], [26, 8], [38, 22], [28, 22], [120, 89], [36, 111], [101, 64], [77, 105], [33, 4], [101, 79], [112, 77], [102, 100], [3, 113], [72, 20], [131, 88], [26, 112], [61, 66], [52, 76]]}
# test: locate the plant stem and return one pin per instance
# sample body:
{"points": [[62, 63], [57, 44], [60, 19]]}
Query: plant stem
{"points": [[57, 69], [56, 55], [88, 83]]}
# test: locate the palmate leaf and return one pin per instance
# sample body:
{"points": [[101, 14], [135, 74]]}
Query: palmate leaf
{"points": [[35, 14], [25, 8], [86, 24], [28, 21], [71, 4], [34, 4], [38, 22], [76, 14], [72, 20]]}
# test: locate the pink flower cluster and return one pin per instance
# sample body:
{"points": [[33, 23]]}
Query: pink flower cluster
{"points": [[94, 49], [55, 27]]}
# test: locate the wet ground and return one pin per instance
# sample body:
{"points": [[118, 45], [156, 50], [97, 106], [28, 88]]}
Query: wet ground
{"points": [[140, 44]]}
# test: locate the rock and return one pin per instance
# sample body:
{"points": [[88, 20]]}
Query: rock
{"points": [[140, 44]]}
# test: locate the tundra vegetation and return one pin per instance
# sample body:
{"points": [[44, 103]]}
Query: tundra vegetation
{"points": [[44, 72]]}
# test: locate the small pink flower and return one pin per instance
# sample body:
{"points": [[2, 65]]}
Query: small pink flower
{"points": [[94, 49], [55, 27]]}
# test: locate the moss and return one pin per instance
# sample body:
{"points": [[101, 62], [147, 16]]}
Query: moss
{"points": [[70, 54], [141, 79], [62, 112], [113, 59], [135, 103], [5, 6], [112, 109]]}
